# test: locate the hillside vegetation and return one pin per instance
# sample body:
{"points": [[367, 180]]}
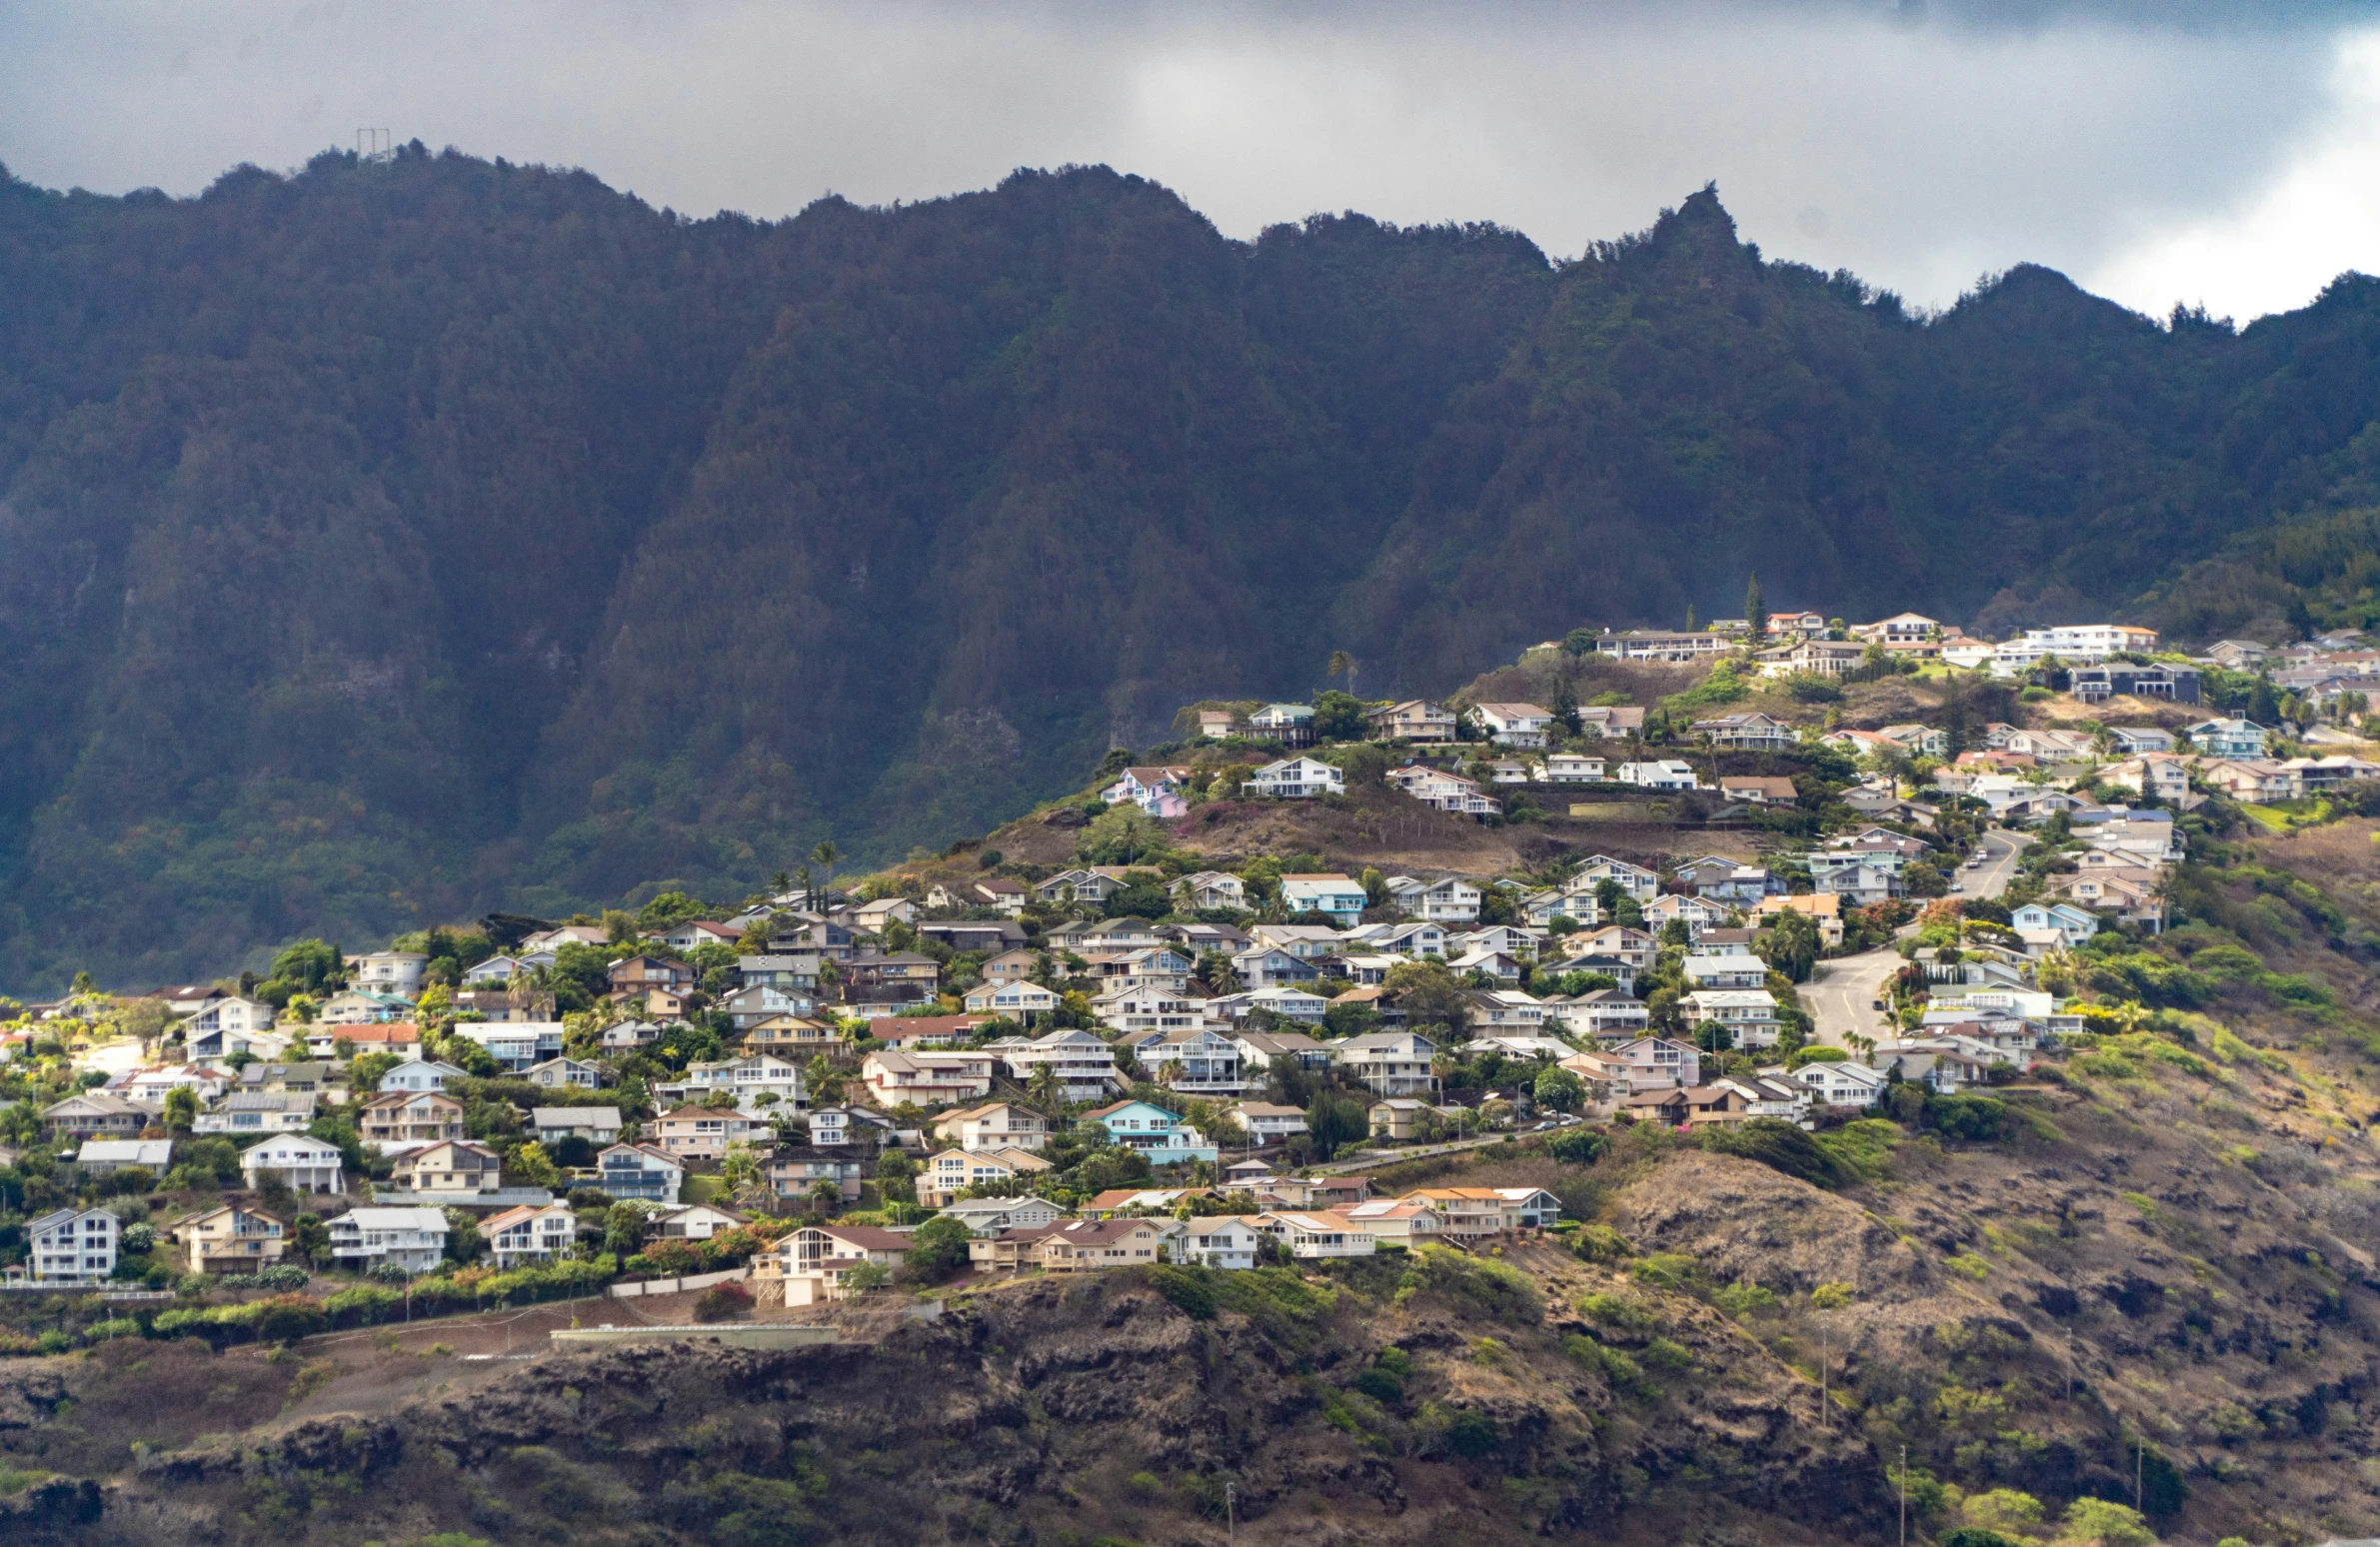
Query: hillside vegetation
{"points": [[382, 543]]}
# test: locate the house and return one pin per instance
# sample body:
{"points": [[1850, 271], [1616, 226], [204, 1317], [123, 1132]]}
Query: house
{"points": [[73, 1246], [1729, 880], [1598, 1012], [816, 1264], [1698, 913], [1513, 724], [799, 1173], [416, 1074], [2072, 925], [1211, 889], [1082, 1066], [751, 1083], [1000, 893], [396, 972], [1858, 883], [1265, 1122], [563, 1071], [910, 1033], [1917, 740], [1156, 791], [522, 1235], [927, 1078], [691, 1222], [1160, 1136], [1257, 1049], [1449, 900], [1415, 720], [101, 1157], [1748, 733], [1814, 658], [305, 1163], [2238, 655], [1218, 1241], [1014, 999], [1289, 725], [874, 917], [952, 1171], [1654, 1063], [1667, 773], [1824, 911], [2166, 681], [999, 1125], [410, 1238], [1725, 972], [1092, 1245], [1839, 1085], [230, 1240], [1282, 1001], [517, 1045], [1900, 629], [1442, 790], [1748, 1015], [2229, 738], [704, 1132], [358, 1008], [2257, 780], [1295, 778], [990, 1216], [1398, 1117], [639, 1173], [1406, 1221], [1342, 896], [1309, 1236], [1572, 769], [595, 1124], [186, 998], [449, 1165], [1388, 1063], [1663, 644], [259, 1111], [698, 931], [496, 970], [227, 1016], [750, 1005], [1757, 790], [405, 1116], [1196, 1063], [633, 977], [1474, 1211], [95, 1114]]}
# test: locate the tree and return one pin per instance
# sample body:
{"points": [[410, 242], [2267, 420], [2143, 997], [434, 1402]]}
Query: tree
{"points": [[1341, 665], [1756, 608], [181, 1109], [1559, 1088], [938, 1251], [1790, 944], [824, 857], [534, 1167], [1565, 707], [1339, 717], [1428, 992], [1336, 1118], [1580, 641]]}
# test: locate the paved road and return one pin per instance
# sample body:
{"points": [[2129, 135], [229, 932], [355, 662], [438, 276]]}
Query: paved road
{"points": [[1842, 993], [1373, 1159]]}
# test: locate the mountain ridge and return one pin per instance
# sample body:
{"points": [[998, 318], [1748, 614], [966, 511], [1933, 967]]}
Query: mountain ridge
{"points": [[386, 541]]}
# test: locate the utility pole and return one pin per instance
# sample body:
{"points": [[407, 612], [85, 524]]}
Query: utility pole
{"points": [[1904, 1496], [1232, 1511]]}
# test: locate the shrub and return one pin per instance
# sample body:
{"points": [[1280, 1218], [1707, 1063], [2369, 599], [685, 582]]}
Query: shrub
{"points": [[1577, 1146], [1779, 1145], [1601, 1243], [723, 1302]]}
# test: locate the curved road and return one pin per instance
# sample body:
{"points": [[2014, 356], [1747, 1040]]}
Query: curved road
{"points": [[1842, 993]]}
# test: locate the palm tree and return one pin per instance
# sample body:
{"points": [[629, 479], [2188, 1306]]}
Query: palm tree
{"points": [[824, 857], [1042, 1087], [1342, 665]]}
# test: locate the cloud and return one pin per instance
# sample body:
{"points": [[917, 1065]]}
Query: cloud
{"points": [[2142, 149]]}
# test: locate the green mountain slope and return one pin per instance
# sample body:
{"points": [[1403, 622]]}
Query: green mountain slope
{"points": [[384, 541]]}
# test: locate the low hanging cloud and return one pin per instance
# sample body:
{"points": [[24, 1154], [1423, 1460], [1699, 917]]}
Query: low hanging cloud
{"points": [[2156, 153]]}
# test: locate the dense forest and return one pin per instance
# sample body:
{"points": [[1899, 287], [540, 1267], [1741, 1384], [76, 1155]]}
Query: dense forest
{"points": [[391, 539]]}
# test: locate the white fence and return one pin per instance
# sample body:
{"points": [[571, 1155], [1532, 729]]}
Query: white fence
{"points": [[674, 1286]]}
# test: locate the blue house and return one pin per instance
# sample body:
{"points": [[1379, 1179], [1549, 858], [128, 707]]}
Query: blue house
{"points": [[2071, 922], [1340, 896], [1153, 1132], [2234, 740]]}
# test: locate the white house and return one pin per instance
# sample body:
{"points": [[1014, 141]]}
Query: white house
{"points": [[1265, 1122], [1342, 896], [418, 1074], [1318, 1234], [1218, 1241], [1667, 773], [1082, 1065], [1443, 791], [1513, 724], [519, 1235], [410, 1238], [396, 972], [307, 1163], [1841, 1084], [1449, 900], [1388, 1063], [1295, 778], [1749, 1014], [73, 1246], [1016, 1000]]}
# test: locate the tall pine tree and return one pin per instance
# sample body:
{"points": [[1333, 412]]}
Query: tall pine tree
{"points": [[1756, 609]]}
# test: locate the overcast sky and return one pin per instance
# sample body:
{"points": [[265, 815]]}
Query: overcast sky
{"points": [[2156, 152]]}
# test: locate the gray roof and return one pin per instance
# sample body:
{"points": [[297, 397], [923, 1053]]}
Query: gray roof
{"points": [[575, 1117]]}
